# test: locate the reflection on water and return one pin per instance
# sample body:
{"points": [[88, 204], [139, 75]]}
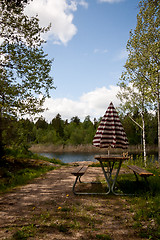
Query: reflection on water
{"points": [[70, 157], [78, 157]]}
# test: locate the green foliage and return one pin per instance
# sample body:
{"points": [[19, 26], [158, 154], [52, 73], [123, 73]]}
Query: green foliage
{"points": [[147, 215], [21, 134], [133, 132], [24, 67], [145, 202], [103, 237], [140, 78], [18, 168], [20, 176], [25, 232], [139, 83]]}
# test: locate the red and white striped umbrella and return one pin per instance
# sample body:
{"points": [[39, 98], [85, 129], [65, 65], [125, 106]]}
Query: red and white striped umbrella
{"points": [[110, 132]]}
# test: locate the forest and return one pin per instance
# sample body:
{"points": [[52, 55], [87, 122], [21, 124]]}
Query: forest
{"points": [[26, 75], [22, 133]]}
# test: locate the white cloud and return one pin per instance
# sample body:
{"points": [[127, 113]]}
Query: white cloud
{"points": [[110, 1], [59, 14], [83, 3], [101, 51], [122, 55], [93, 103]]}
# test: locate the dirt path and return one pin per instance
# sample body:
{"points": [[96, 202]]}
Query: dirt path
{"points": [[48, 209]]}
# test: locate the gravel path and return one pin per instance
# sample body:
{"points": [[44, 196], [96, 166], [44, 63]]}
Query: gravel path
{"points": [[23, 205]]}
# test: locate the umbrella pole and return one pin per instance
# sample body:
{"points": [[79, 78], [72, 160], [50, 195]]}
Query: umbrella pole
{"points": [[109, 150]]}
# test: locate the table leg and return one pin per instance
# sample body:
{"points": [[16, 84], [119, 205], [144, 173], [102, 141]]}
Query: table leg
{"points": [[111, 183], [115, 179], [86, 193], [107, 179]]}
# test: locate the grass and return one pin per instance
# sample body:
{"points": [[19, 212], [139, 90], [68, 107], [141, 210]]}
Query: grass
{"points": [[19, 170], [68, 217], [103, 237], [147, 216], [146, 202], [24, 232]]}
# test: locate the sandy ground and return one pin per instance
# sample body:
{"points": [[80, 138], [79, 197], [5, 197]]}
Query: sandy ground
{"points": [[55, 189]]}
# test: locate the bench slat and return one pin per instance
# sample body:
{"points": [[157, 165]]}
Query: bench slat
{"points": [[140, 171], [80, 171], [83, 169], [77, 169]]}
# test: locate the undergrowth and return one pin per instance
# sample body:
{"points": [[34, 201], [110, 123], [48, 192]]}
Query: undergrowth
{"points": [[18, 169], [145, 203], [145, 196]]}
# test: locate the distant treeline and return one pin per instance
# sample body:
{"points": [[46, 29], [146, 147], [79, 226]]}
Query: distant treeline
{"points": [[24, 132]]}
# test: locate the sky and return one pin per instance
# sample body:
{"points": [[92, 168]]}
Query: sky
{"points": [[87, 41]]}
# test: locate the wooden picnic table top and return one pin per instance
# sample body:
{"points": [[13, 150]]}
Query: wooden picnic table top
{"points": [[107, 158]]}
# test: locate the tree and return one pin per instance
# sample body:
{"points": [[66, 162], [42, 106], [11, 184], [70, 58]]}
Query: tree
{"points": [[133, 132], [75, 120], [143, 63], [58, 125], [17, 3], [24, 68], [134, 97], [41, 123]]}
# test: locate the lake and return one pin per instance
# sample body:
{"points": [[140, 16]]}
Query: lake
{"points": [[70, 157], [78, 157]]}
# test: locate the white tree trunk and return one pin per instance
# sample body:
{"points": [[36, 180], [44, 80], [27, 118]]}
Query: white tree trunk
{"points": [[143, 136], [144, 141], [158, 116]]}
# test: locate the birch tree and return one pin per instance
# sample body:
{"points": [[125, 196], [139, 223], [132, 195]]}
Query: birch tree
{"points": [[131, 99], [143, 64]]}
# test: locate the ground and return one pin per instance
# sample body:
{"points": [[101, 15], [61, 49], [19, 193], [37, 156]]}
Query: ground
{"points": [[47, 209]]}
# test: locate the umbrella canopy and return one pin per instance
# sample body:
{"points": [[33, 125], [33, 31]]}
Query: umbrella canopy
{"points": [[110, 132]]}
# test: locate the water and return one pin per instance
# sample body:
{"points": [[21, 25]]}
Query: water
{"points": [[79, 157], [70, 157]]}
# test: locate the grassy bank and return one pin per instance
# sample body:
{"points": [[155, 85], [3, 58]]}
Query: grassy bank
{"points": [[19, 170]]}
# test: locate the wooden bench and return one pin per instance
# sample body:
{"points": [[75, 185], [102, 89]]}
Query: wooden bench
{"points": [[78, 172], [140, 171]]}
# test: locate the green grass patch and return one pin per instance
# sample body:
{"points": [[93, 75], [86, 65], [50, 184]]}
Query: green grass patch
{"points": [[103, 237], [15, 154], [17, 171], [145, 199], [52, 160], [24, 233], [21, 177], [145, 203]]}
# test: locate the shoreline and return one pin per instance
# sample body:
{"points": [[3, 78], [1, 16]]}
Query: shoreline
{"points": [[88, 148]]}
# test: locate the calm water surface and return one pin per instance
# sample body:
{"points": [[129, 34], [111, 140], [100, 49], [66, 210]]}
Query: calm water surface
{"points": [[78, 157], [70, 157]]}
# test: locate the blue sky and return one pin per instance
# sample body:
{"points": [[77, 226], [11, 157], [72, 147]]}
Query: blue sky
{"points": [[88, 43]]}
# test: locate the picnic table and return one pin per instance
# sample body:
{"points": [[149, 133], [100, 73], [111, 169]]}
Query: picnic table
{"points": [[108, 173], [110, 180]]}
